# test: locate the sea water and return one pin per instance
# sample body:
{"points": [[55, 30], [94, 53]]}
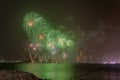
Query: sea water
{"points": [[59, 71]]}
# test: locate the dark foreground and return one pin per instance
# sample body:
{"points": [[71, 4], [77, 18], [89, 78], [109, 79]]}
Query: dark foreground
{"points": [[56, 71]]}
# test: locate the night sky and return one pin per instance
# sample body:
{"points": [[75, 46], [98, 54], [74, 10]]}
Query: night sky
{"points": [[100, 20]]}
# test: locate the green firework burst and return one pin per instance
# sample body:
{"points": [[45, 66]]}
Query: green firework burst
{"points": [[34, 24], [39, 31]]}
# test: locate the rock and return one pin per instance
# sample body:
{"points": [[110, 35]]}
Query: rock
{"points": [[16, 75]]}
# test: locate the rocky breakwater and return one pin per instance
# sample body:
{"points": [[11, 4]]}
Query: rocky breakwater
{"points": [[17, 75]]}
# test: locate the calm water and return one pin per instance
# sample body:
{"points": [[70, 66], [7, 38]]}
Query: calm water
{"points": [[68, 71]]}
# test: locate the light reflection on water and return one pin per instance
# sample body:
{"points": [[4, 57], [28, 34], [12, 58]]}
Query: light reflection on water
{"points": [[66, 72], [48, 71]]}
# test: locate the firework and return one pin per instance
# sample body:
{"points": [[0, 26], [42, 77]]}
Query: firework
{"points": [[52, 38], [43, 38], [35, 26]]}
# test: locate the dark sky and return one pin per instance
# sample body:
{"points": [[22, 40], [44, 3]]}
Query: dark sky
{"points": [[98, 18]]}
